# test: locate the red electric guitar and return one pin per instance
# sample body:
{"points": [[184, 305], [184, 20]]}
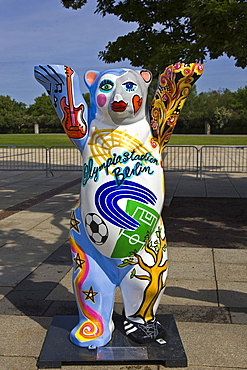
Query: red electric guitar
{"points": [[73, 122]]}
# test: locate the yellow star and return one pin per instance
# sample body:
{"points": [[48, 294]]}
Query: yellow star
{"points": [[79, 262], [74, 223], [90, 294]]}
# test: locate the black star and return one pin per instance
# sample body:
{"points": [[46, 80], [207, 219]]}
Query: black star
{"points": [[74, 223], [90, 294], [79, 262]]}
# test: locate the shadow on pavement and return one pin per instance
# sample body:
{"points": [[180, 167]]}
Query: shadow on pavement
{"points": [[207, 222]]}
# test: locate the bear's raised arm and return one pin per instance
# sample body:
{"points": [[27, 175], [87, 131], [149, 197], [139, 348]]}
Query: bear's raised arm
{"points": [[62, 84], [174, 85]]}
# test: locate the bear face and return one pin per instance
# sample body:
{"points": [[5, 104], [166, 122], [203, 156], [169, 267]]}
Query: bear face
{"points": [[119, 97]]}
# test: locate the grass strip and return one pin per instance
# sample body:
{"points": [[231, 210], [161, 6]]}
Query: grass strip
{"points": [[49, 140]]}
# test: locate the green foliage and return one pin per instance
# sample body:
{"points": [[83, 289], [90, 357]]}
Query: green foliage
{"points": [[12, 115], [43, 113], [17, 118], [133, 273], [220, 26], [169, 31], [125, 263], [74, 4], [223, 110], [87, 99], [239, 101]]}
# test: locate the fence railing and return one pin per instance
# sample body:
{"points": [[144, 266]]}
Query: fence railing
{"points": [[181, 158], [186, 158], [23, 157], [223, 159], [64, 158]]}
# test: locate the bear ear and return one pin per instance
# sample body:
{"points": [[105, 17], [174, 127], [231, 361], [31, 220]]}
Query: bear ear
{"points": [[90, 77], [146, 75]]}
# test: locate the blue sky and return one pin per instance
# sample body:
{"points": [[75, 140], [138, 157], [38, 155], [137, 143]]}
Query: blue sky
{"points": [[43, 32]]}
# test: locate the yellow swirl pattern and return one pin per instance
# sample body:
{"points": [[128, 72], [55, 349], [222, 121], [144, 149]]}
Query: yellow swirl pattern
{"points": [[175, 83], [103, 142]]}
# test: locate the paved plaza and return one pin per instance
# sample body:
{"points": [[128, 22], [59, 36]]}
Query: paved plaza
{"points": [[206, 290]]}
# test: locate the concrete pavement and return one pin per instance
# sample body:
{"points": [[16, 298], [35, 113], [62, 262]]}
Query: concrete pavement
{"points": [[206, 290]]}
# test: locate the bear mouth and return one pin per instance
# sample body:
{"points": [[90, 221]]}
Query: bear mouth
{"points": [[119, 106]]}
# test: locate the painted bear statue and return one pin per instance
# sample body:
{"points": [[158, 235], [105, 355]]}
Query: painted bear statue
{"points": [[116, 231]]}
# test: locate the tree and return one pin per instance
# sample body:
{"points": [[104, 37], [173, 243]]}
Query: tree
{"points": [[169, 31], [43, 113], [239, 101], [224, 111], [12, 115], [152, 274], [213, 109]]}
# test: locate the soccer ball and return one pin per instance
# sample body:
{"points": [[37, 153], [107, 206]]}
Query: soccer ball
{"points": [[96, 228]]}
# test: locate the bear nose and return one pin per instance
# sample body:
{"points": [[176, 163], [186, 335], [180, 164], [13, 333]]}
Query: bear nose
{"points": [[118, 97]]}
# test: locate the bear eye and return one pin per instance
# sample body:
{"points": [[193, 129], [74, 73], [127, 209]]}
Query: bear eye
{"points": [[106, 85], [130, 86]]}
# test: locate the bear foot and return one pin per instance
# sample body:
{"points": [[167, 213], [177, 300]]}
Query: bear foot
{"points": [[151, 331], [93, 343]]}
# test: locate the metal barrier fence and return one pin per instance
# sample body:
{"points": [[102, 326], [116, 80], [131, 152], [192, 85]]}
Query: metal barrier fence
{"points": [[64, 158], [223, 159], [23, 157], [181, 158], [175, 158]]}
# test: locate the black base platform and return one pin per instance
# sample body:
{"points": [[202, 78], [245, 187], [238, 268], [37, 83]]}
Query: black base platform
{"points": [[58, 350]]}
